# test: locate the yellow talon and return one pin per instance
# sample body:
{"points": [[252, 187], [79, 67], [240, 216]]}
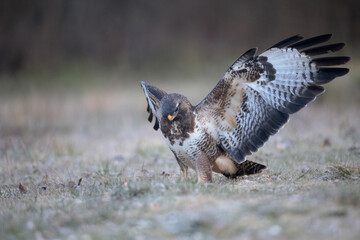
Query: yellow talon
{"points": [[170, 117]]}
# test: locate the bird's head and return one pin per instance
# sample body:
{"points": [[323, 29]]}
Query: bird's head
{"points": [[175, 106]]}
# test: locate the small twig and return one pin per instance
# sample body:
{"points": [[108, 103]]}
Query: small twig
{"points": [[79, 182]]}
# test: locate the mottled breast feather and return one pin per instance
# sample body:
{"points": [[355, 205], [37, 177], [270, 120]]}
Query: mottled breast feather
{"points": [[257, 94]]}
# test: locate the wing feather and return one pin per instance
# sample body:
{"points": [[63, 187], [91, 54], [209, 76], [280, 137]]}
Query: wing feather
{"points": [[324, 49], [153, 98], [287, 42], [260, 92]]}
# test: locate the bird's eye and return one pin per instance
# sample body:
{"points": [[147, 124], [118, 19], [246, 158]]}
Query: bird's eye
{"points": [[172, 116]]}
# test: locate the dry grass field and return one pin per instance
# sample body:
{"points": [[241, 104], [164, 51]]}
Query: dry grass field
{"points": [[84, 163]]}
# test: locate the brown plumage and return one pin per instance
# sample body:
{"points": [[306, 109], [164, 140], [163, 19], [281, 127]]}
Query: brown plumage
{"points": [[250, 103]]}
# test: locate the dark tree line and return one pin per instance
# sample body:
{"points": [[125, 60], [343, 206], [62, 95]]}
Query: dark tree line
{"points": [[43, 33]]}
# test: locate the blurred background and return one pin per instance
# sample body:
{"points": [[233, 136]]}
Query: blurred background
{"points": [[182, 37], [63, 59]]}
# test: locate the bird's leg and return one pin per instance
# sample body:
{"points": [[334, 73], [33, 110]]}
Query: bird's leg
{"points": [[183, 167], [203, 169], [186, 173]]}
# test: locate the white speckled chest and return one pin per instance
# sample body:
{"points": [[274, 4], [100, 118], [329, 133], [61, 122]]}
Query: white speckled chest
{"points": [[186, 150]]}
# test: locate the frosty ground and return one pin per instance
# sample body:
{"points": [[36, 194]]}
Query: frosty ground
{"points": [[131, 186]]}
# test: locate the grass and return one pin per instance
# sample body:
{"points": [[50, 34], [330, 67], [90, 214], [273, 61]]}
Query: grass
{"points": [[132, 188]]}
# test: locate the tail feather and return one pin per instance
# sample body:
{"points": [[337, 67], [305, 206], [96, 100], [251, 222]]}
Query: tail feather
{"points": [[246, 168]]}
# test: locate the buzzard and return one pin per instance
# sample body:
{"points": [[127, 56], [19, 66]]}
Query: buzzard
{"points": [[250, 103]]}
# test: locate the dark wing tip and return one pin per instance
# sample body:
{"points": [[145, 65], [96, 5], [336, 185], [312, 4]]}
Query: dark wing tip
{"points": [[325, 75], [324, 49], [249, 54], [148, 109], [286, 42], [330, 61], [311, 41], [150, 118], [156, 125]]}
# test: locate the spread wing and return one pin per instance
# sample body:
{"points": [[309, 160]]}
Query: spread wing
{"points": [[153, 98], [257, 94]]}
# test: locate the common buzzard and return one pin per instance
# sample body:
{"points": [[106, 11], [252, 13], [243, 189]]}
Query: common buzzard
{"points": [[251, 102]]}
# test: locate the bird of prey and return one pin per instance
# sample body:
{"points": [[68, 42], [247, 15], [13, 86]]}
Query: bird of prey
{"points": [[251, 102]]}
